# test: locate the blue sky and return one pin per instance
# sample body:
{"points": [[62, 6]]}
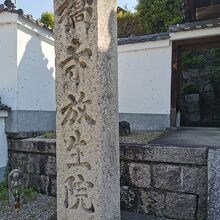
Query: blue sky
{"points": [[36, 7]]}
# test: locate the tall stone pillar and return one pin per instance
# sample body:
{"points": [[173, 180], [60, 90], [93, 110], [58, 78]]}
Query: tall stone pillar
{"points": [[87, 110]]}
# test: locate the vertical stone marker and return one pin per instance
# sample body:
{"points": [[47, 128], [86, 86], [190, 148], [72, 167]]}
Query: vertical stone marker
{"points": [[87, 110]]}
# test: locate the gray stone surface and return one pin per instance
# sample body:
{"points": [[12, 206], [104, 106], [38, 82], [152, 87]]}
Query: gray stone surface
{"points": [[179, 181], [31, 121], [33, 145], [124, 173], [87, 110], [140, 175], [164, 154], [166, 177], [24, 135], [191, 137], [214, 185], [141, 122], [2, 172], [152, 202], [180, 206], [194, 180], [129, 198], [124, 216], [43, 208], [37, 159], [135, 216]]}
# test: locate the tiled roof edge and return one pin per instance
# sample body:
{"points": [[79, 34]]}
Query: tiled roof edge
{"points": [[145, 38], [195, 25], [26, 16]]}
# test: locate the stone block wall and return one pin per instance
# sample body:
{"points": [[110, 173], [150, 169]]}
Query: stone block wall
{"points": [[161, 181], [166, 182], [37, 159]]}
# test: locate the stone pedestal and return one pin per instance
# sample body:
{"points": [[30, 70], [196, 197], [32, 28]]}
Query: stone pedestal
{"points": [[87, 110]]}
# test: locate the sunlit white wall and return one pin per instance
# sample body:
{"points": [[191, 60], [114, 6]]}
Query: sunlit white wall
{"points": [[145, 78]]}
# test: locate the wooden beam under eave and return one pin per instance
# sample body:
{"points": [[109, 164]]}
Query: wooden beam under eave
{"points": [[209, 12]]}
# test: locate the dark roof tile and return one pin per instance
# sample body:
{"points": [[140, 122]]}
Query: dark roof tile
{"points": [[195, 25], [26, 16], [145, 38]]}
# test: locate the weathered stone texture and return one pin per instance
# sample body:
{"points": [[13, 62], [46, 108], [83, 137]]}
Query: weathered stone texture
{"points": [[165, 190], [140, 175], [33, 145], [124, 171], [129, 199], [162, 154], [214, 184], [194, 180], [37, 159], [87, 110], [180, 206], [152, 202], [166, 182], [166, 177]]}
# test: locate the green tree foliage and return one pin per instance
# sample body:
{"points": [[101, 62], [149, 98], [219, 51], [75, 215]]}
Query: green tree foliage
{"points": [[157, 15], [193, 59], [47, 18], [129, 24], [207, 64]]}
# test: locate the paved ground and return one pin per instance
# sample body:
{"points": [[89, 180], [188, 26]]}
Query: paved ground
{"points": [[126, 216], [191, 137], [135, 216]]}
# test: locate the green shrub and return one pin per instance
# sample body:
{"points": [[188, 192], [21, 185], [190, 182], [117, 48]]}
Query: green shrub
{"points": [[47, 18], [28, 194], [129, 24], [4, 192], [189, 88]]}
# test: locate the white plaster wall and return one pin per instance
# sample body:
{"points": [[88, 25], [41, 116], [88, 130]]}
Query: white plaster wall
{"points": [[145, 78], [27, 64], [8, 59], [36, 68]]}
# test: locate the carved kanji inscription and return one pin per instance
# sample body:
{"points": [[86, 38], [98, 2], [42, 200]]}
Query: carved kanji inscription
{"points": [[77, 194], [76, 110], [75, 150]]}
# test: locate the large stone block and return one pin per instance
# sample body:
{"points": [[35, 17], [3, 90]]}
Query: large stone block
{"points": [[166, 177], [40, 164], [19, 160], [180, 206], [195, 181], [50, 166], [33, 145], [129, 199], [124, 173], [140, 175], [152, 202], [164, 154], [44, 184]]}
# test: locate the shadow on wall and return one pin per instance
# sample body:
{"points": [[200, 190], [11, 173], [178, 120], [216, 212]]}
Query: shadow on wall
{"points": [[35, 85]]}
